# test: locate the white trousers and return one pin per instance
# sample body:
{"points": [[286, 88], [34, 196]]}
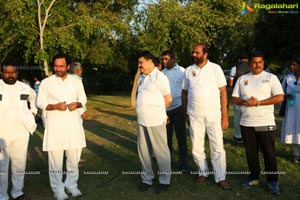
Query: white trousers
{"points": [[55, 159], [211, 125], [14, 151], [236, 121]]}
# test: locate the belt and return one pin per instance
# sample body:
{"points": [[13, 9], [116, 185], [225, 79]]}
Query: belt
{"points": [[265, 128]]}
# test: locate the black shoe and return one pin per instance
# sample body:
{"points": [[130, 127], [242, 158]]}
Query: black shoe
{"points": [[161, 188], [238, 140], [143, 187]]}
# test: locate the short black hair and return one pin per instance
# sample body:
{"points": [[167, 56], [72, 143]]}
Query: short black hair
{"points": [[8, 64], [156, 61], [169, 53], [243, 55], [255, 54], [296, 60], [61, 55], [204, 47], [147, 55]]}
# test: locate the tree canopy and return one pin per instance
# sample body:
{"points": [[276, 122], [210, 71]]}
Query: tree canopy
{"points": [[106, 35]]}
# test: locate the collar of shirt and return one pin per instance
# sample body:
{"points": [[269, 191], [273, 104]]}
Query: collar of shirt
{"points": [[143, 76], [195, 67], [176, 67]]}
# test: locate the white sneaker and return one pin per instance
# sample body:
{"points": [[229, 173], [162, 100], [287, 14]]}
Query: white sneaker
{"points": [[74, 191], [61, 196]]}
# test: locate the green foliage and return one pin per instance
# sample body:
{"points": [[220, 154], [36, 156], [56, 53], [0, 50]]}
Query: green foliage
{"points": [[179, 26], [108, 34], [277, 35]]}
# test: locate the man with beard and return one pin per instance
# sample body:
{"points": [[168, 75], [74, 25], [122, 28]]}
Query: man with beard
{"points": [[17, 120], [61, 96], [175, 75], [204, 100]]}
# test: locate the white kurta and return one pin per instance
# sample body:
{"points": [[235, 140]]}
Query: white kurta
{"points": [[63, 129], [291, 127], [16, 119]]}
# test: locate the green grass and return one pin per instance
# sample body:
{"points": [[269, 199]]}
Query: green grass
{"points": [[111, 150]]}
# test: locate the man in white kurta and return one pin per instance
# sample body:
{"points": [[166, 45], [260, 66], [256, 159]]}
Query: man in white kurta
{"points": [[61, 96], [17, 121]]}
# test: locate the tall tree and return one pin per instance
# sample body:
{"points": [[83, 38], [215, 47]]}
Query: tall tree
{"points": [[42, 21]]}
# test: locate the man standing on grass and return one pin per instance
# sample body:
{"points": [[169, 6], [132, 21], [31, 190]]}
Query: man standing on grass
{"points": [[175, 74], [235, 73], [76, 71], [17, 120], [204, 100], [153, 97], [61, 96], [256, 93]]}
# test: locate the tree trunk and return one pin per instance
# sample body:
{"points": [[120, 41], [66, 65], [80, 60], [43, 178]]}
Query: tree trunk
{"points": [[134, 89], [42, 25]]}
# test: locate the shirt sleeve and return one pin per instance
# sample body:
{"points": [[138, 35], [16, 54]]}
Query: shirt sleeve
{"points": [[185, 82], [32, 100], [42, 99], [81, 96], [164, 85], [276, 86], [232, 72], [220, 77], [236, 89]]}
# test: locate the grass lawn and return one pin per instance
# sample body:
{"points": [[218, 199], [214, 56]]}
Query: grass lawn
{"points": [[111, 154]]}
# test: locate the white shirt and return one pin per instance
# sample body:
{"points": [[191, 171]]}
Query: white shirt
{"points": [[202, 85], [232, 73], [150, 108], [14, 112], [63, 129], [175, 76], [262, 86]]}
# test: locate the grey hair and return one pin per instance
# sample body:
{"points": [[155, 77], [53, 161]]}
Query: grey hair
{"points": [[74, 66]]}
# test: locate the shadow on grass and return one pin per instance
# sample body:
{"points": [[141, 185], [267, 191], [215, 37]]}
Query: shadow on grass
{"points": [[109, 103], [125, 116], [112, 134]]}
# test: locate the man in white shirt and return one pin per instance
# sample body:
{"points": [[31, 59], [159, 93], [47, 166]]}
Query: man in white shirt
{"points": [[256, 93], [175, 74], [235, 73], [153, 97], [204, 100], [76, 71], [61, 96], [17, 121]]}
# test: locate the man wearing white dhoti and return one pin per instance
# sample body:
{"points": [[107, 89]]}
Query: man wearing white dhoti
{"points": [[17, 120], [60, 96]]}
